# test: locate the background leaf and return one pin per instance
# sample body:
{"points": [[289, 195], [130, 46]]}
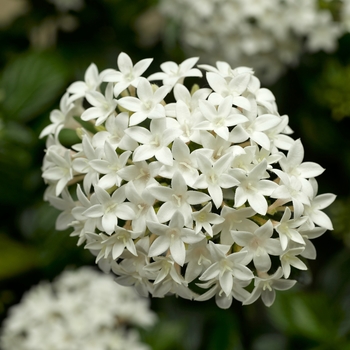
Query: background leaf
{"points": [[30, 83]]}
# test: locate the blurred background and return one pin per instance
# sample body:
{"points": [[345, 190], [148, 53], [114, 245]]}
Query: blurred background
{"points": [[46, 45]]}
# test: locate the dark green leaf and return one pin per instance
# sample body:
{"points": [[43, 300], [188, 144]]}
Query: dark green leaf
{"points": [[30, 83]]}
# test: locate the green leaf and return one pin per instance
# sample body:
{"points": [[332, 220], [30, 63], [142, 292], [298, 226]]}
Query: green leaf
{"points": [[30, 84]]}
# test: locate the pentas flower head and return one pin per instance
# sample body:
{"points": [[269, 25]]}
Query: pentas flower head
{"points": [[200, 190]]}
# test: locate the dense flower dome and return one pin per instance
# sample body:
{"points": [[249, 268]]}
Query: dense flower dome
{"points": [[268, 35], [175, 188], [71, 314]]}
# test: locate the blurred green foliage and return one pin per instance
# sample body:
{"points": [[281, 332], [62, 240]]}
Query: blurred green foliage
{"points": [[10, 264], [36, 66], [30, 84], [334, 90]]}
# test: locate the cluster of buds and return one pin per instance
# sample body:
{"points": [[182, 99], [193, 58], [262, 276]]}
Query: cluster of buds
{"points": [[177, 190]]}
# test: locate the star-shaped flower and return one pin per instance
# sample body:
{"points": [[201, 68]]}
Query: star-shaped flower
{"points": [[102, 106], [110, 208], [177, 198], [172, 237], [147, 104], [252, 188], [215, 177], [128, 73], [154, 142], [173, 73], [226, 267], [258, 245], [265, 286]]}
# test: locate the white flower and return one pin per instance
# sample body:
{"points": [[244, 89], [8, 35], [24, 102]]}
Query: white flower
{"points": [[177, 198], [110, 208], [142, 205], [226, 267], [287, 229], [214, 146], [222, 300], [310, 251], [191, 99], [114, 134], [110, 166], [128, 73], [289, 259], [252, 188], [204, 217], [314, 211], [173, 73], [82, 163], [92, 81], [141, 174], [208, 187], [81, 223], [154, 142], [184, 162], [65, 204], [115, 244], [172, 237], [221, 118], [256, 128], [102, 106], [291, 189], [233, 87], [170, 286], [60, 170], [61, 117], [198, 258], [188, 121], [147, 104], [258, 245], [214, 177], [234, 219], [265, 286], [293, 164], [132, 270], [164, 267]]}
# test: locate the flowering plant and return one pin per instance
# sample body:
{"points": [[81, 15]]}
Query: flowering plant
{"points": [[71, 314], [199, 190]]}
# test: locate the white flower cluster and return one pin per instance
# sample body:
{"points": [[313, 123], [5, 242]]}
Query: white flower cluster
{"points": [[268, 35], [202, 189], [82, 309]]}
